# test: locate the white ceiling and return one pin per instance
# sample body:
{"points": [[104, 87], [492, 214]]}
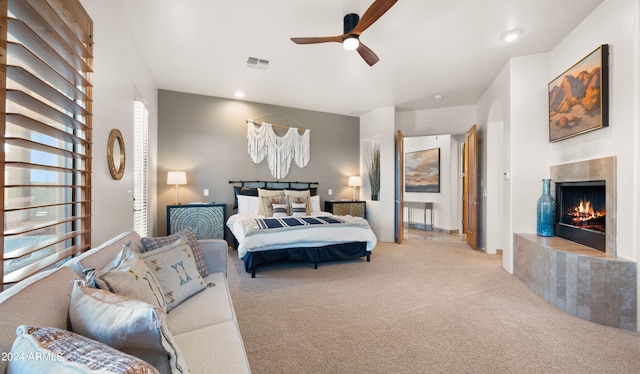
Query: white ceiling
{"points": [[426, 47]]}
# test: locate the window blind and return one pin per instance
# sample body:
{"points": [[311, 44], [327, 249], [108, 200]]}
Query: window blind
{"points": [[140, 168], [47, 128]]}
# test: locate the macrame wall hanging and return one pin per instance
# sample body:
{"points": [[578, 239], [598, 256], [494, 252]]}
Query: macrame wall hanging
{"points": [[278, 150]]}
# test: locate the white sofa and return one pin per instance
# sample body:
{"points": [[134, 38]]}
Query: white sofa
{"points": [[204, 326]]}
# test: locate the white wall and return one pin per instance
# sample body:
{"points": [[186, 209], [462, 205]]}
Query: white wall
{"points": [[447, 210], [119, 77], [494, 110], [441, 121], [615, 22], [379, 125], [522, 90]]}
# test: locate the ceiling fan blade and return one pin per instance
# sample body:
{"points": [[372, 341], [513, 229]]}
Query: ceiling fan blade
{"points": [[315, 40], [375, 11], [367, 54]]}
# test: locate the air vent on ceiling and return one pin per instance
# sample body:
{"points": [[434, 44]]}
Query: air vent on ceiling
{"points": [[258, 63]]}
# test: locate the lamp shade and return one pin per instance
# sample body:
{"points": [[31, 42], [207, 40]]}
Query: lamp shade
{"points": [[355, 181], [176, 177]]}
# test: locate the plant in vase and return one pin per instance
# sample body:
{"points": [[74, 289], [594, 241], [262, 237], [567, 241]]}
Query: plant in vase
{"points": [[373, 164]]}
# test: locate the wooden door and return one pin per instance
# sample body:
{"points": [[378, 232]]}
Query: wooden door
{"points": [[471, 181], [400, 192], [465, 193]]}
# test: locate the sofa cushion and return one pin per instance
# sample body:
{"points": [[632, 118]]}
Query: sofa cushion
{"points": [[40, 300], [128, 275], [53, 350], [215, 349], [131, 326], [149, 244], [209, 307], [175, 268], [101, 256]]}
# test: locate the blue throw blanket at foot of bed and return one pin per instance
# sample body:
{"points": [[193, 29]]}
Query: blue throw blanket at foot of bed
{"points": [[276, 223]]}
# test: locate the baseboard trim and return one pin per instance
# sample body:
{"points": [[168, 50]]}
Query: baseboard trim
{"points": [[424, 227]]}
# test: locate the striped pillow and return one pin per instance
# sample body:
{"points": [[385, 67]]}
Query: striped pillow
{"points": [[279, 210], [61, 351], [298, 209]]}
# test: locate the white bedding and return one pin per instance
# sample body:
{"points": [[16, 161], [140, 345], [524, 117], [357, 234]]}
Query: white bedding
{"points": [[242, 226]]}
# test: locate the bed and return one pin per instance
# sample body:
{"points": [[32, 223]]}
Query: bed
{"points": [[268, 235]]}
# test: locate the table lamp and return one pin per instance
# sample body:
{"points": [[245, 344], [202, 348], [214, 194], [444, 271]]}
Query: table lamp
{"points": [[177, 178], [354, 182]]}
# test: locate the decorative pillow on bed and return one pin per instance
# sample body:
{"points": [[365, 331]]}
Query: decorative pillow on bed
{"points": [[299, 210], [279, 210], [149, 244], [131, 326], [128, 275], [61, 351], [268, 197], [315, 204], [174, 267], [248, 204], [298, 197], [243, 191]]}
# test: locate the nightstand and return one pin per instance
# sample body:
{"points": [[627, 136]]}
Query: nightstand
{"points": [[346, 207], [206, 220]]}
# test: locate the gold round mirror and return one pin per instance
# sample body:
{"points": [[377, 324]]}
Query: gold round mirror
{"points": [[116, 156]]}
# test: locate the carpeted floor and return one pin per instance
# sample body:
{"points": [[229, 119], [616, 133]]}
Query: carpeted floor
{"points": [[426, 306]]}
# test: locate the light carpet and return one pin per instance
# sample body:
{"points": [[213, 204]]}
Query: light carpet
{"points": [[420, 307]]}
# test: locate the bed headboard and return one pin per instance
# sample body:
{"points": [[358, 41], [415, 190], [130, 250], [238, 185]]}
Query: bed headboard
{"points": [[275, 184], [250, 187]]}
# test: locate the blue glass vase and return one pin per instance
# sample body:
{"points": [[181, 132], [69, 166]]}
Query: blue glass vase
{"points": [[546, 211]]}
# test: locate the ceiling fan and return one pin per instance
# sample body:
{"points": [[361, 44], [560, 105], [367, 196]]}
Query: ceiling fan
{"points": [[353, 27]]}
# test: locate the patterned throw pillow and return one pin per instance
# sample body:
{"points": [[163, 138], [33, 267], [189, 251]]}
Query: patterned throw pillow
{"points": [[266, 200], [299, 210], [131, 326], [128, 275], [174, 267], [267, 204], [298, 197], [149, 244], [279, 210], [61, 351]]}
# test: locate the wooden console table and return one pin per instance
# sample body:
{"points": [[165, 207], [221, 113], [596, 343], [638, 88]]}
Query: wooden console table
{"points": [[420, 205]]}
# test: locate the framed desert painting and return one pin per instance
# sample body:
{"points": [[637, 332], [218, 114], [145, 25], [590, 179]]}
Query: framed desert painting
{"points": [[579, 97], [422, 171]]}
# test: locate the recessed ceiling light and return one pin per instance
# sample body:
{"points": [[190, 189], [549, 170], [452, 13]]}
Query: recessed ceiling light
{"points": [[438, 97], [239, 95], [512, 35]]}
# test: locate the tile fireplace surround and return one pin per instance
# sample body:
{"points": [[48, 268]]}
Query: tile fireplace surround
{"points": [[582, 281]]}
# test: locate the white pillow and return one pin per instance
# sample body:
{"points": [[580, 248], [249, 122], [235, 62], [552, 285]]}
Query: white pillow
{"points": [[248, 204], [315, 204], [279, 210], [298, 209]]}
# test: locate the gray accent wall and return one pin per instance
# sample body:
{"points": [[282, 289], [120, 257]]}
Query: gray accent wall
{"points": [[207, 137]]}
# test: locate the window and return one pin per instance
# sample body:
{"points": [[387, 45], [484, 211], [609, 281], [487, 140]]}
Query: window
{"points": [[47, 134], [140, 168]]}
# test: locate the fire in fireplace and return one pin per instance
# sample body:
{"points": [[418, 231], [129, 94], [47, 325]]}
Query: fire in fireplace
{"points": [[581, 212]]}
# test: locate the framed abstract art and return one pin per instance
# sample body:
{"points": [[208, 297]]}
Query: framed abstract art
{"points": [[422, 171]]}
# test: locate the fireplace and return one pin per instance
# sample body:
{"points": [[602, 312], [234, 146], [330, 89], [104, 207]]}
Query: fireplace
{"points": [[581, 212]]}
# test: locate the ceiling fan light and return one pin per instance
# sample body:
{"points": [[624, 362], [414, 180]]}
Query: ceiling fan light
{"points": [[351, 43]]}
